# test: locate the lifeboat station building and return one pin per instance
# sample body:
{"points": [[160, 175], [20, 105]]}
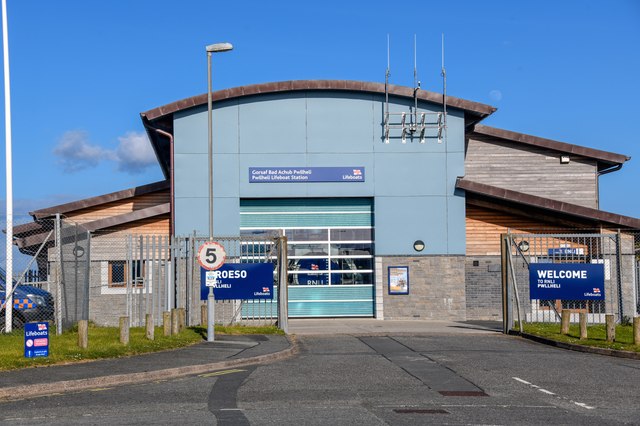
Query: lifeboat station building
{"points": [[393, 199]]}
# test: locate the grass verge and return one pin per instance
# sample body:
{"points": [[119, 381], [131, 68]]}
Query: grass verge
{"points": [[596, 333], [104, 342]]}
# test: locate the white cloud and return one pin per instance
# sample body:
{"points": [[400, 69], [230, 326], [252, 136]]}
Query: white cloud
{"points": [[134, 154], [75, 152]]}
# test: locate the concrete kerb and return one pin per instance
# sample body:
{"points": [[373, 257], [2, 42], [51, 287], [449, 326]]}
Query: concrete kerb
{"points": [[577, 348], [32, 391]]}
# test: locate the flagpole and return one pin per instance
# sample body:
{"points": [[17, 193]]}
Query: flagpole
{"points": [[9, 174]]}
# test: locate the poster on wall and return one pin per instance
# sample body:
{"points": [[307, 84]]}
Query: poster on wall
{"points": [[398, 280]]}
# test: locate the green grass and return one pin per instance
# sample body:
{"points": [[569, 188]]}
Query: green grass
{"points": [[104, 342], [596, 333]]}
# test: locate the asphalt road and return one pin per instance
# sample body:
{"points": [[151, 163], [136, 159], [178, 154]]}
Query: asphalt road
{"points": [[397, 380]]}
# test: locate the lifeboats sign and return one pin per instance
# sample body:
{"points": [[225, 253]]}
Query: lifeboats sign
{"points": [[238, 281], [566, 281]]}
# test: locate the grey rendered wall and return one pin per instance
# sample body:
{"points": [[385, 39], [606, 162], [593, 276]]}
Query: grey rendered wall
{"points": [[532, 170], [413, 184]]}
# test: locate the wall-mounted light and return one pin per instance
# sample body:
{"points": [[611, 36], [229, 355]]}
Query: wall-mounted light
{"points": [[564, 159], [418, 245]]}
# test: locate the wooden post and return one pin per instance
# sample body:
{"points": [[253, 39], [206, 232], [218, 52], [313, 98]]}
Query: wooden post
{"points": [[203, 315], [150, 326], [166, 323], [175, 321], [611, 327], [124, 330], [182, 318], [566, 320], [636, 330], [83, 334], [583, 326]]}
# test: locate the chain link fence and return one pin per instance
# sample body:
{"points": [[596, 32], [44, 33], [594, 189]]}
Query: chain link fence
{"points": [[617, 252]]}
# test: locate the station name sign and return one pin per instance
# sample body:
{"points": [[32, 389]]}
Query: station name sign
{"points": [[305, 174], [566, 281]]}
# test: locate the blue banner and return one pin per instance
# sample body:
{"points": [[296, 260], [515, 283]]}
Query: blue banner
{"points": [[566, 281], [238, 281], [305, 174], [36, 339]]}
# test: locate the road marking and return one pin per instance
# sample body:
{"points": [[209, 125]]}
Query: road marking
{"points": [[220, 373], [579, 404]]}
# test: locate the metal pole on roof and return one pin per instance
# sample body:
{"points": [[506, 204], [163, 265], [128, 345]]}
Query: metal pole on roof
{"points": [[9, 174]]}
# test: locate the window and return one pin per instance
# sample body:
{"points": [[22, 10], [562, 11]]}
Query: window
{"points": [[120, 270]]}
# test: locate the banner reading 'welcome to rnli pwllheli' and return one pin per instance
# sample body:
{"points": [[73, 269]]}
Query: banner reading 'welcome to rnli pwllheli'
{"points": [[566, 281]]}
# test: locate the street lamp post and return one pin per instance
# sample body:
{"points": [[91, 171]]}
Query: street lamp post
{"points": [[212, 48]]}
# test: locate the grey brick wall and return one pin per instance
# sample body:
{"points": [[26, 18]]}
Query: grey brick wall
{"points": [[436, 288], [483, 285]]}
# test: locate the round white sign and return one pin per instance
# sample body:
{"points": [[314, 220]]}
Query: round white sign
{"points": [[211, 255]]}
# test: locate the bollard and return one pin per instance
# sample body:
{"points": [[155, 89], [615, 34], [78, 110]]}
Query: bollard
{"points": [[166, 323], [611, 327], [203, 315], [583, 326], [175, 322], [150, 326], [124, 330], [566, 320], [636, 330], [83, 334], [182, 317]]}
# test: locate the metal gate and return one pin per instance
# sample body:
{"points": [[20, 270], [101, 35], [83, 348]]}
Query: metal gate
{"points": [[239, 250], [615, 251]]}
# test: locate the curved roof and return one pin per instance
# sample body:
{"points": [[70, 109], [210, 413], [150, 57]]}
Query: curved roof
{"points": [[472, 108]]}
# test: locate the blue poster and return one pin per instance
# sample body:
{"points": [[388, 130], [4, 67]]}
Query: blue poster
{"points": [[305, 174], [36, 339], [238, 281], [566, 281]]}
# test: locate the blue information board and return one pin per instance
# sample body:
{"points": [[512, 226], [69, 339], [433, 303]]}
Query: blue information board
{"points": [[36, 339], [305, 174], [566, 281], [238, 281]]}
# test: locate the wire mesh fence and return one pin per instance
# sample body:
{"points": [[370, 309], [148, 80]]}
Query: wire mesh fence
{"points": [[559, 260]]}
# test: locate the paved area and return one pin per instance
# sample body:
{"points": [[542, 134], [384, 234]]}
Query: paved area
{"points": [[225, 352]]}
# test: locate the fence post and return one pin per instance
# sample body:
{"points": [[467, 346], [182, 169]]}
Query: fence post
{"points": [[507, 317], [283, 282], [566, 321], [611, 327], [636, 330], [124, 330], [583, 326], [83, 334]]}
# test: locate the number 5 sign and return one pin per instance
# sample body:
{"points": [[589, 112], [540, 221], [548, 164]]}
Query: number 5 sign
{"points": [[211, 255]]}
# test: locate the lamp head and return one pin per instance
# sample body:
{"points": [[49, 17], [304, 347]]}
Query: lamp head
{"points": [[219, 47]]}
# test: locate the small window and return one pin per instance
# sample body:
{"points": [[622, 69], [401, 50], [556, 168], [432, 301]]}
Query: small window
{"points": [[119, 271]]}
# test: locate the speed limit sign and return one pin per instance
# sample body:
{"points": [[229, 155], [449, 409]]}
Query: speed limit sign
{"points": [[211, 255]]}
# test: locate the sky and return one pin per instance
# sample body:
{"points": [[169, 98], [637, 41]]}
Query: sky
{"points": [[82, 72]]}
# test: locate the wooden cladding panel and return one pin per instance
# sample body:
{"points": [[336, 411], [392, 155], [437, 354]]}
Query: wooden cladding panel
{"points": [[532, 170], [484, 227], [152, 226], [119, 207]]}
